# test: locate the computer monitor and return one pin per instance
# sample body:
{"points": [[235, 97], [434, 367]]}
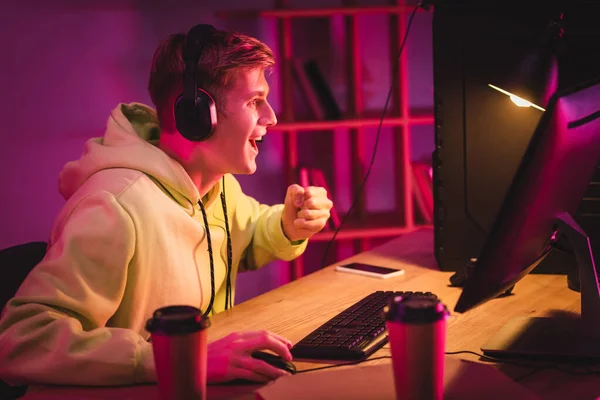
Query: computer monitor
{"points": [[480, 135], [538, 209]]}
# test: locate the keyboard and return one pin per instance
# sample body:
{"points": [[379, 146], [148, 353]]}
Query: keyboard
{"points": [[353, 334]]}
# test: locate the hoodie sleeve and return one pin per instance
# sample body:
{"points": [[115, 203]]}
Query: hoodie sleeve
{"points": [[267, 241], [54, 329]]}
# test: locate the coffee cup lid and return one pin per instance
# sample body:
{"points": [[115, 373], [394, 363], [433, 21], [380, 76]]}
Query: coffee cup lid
{"points": [[177, 320], [415, 309]]}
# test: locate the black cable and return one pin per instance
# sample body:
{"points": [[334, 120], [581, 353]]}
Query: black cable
{"points": [[343, 364], [211, 260], [492, 359], [527, 375], [228, 295], [566, 367], [535, 368], [420, 4]]}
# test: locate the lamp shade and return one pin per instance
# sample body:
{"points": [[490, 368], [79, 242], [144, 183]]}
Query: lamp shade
{"points": [[536, 76]]}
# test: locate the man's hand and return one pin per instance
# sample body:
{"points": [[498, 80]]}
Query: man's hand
{"points": [[230, 358], [305, 212]]}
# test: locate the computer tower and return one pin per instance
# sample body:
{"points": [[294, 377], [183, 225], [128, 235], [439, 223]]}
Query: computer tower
{"points": [[480, 135]]}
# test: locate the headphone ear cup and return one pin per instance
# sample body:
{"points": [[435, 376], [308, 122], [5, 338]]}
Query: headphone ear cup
{"points": [[196, 122], [185, 120], [207, 113]]}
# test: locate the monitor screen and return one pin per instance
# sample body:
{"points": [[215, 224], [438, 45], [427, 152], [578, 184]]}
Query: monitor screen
{"points": [[481, 136], [549, 183], [551, 180]]}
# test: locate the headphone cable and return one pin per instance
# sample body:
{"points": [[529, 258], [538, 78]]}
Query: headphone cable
{"points": [[421, 4]]}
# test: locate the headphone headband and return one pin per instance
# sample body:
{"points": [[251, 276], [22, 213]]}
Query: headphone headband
{"points": [[195, 110], [195, 41]]}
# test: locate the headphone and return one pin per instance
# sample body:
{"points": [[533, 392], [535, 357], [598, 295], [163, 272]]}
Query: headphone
{"points": [[195, 109]]}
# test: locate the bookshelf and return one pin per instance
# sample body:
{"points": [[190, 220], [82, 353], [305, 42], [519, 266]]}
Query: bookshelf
{"points": [[362, 225], [351, 123]]}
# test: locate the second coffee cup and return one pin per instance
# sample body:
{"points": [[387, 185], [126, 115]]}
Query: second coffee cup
{"points": [[179, 342], [416, 326]]}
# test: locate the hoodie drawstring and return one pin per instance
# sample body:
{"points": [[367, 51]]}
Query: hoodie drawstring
{"points": [[228, 295]]}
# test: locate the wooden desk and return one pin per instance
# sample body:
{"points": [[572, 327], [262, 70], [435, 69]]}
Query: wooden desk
{"points": [[297, 308]]}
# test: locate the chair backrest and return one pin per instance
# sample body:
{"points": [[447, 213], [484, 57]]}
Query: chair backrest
{"points": [[15, 264]]}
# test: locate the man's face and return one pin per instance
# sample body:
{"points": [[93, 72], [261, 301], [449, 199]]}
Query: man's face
{"points": [[246, 116]]}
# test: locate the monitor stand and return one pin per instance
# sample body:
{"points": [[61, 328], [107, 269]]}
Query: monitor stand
{"points": [[560, 337]]}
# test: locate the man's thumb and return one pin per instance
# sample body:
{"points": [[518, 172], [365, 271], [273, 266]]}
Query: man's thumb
{"points": [[295, 195]]}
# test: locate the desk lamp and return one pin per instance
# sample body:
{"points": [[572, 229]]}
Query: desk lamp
{"points": [[536, 77]]}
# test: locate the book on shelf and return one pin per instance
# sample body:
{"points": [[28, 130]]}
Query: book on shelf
{"points": [[316, 177], [307, 89], [329, 105]]}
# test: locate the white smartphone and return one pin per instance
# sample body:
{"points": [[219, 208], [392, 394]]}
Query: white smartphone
{"points": [[370, 270]]}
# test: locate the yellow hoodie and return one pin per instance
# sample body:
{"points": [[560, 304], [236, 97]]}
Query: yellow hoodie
{"points": [[129, 239]]}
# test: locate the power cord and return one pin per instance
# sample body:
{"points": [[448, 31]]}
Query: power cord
{"points": [[574, 370], [535, 368], [343, 364], [567, 368], [421, 4], [528, 374]]}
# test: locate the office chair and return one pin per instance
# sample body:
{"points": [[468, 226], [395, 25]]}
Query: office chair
{"points": [[15, 264]]}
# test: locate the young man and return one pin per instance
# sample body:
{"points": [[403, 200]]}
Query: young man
{"points": [[144, 206]]}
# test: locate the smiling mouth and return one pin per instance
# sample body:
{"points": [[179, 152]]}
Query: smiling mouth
{"points": [[254, 143]]}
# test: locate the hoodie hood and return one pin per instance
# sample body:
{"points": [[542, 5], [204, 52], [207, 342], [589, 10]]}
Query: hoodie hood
{"points": [[130, 139]]}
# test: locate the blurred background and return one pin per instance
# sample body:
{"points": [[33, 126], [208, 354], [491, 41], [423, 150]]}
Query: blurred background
{"points": [[66, 64]]}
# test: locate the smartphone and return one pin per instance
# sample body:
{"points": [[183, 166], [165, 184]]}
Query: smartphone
{"points": [[370, 270]]}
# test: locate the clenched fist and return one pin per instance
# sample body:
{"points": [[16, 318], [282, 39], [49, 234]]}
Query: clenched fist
{"points": [[305, 212]]}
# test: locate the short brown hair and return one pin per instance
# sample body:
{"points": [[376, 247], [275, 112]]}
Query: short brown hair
{"points": [[223, 55]]}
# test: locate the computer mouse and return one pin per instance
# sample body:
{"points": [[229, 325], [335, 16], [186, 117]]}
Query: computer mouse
{"points": [[275, 361]]}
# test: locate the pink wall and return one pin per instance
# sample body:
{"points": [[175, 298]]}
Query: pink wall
{"points": [[67, 63]]}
